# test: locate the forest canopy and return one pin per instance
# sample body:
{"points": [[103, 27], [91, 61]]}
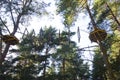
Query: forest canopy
{"points": [[31, 52]]}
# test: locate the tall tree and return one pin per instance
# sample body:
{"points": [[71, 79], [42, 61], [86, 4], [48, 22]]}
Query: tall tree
{"points": [[49, 38], [33, 56], [16, 12], [107, 17], [69, 10], [67, 61]]}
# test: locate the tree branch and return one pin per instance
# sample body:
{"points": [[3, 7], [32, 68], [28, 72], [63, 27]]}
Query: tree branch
{"points": [[5, 25], [113, 15], [3, 55], [10, 4], [16, 24]]}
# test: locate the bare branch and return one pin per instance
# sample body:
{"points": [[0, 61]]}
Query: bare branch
{"points": [[5, 25], [11, 12], [17, 24]]}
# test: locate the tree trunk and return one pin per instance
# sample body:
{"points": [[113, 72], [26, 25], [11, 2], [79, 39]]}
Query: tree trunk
{"points": [[63, 68], [104, 51], [0, 44], [45, 64], [108, 65], [91, 17]]}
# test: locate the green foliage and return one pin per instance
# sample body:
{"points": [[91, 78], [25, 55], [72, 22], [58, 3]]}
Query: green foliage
{"points": [[48, 36], [116, 66], [28, 66], [99, 70], [5, 71], [17, 12], [20, 68], [106, 20], [69, 10], [68, 62], [115, 53], [103, 14]]}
